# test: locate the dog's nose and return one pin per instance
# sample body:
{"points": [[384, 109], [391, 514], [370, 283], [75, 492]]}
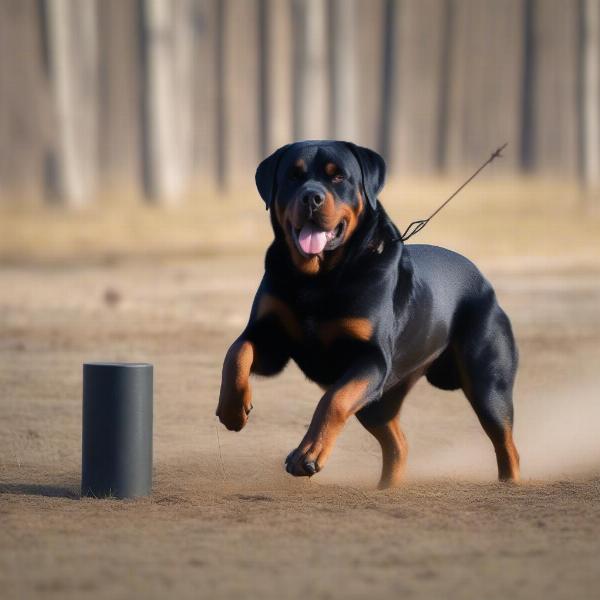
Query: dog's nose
{"points": [[313, 200]]}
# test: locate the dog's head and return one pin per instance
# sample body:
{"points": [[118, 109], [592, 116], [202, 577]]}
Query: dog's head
{"points": [[318, 192]]}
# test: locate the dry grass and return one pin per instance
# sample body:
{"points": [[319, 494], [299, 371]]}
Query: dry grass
{"points": [[541, 221]]}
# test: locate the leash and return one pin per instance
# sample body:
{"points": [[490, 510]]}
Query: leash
{"points": [[416, 226], [221, 463]]}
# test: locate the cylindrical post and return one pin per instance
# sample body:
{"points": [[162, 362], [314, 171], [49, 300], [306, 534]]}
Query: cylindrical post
{"points": [[117, 430]]}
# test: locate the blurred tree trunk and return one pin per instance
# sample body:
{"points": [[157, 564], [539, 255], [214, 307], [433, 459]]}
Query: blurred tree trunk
{"points": [[550, 105], [311, 93], [418, 27], [591, 92], [205, 88], [343, 34], [484, 101], [73, 65], [277, 74], [167, 43], [241, 116], [119, 94], [369, 43], [183, 67], [25, 106]]}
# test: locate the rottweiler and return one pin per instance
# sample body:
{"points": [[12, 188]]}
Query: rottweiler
{"points": [[363, 314]]}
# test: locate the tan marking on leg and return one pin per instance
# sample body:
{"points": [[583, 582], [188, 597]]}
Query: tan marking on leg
{"points": [[346, 397], [271, 305], [394, 447], [243, 364], [329, 419], [235, 398], [345, 401], [394, 450], [349, 327], [507, 457]]}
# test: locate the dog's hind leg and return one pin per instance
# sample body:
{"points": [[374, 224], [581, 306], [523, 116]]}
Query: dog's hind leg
{"points": [[487, 359], [380, 418], [394, 450], [492, 403]]}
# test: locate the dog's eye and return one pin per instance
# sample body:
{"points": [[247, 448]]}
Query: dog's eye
{"points": [[296, 174], [334, 172]]}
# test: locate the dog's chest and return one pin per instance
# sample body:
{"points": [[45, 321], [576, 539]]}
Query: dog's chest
{"points": [[329, 344], [323, 332], [325, 319]]}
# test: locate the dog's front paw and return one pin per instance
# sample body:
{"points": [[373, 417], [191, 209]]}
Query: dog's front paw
{"points": [[233, 410], [306, 460]]}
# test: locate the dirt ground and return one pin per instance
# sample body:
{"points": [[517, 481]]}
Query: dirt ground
{"points": [[224, 520]]}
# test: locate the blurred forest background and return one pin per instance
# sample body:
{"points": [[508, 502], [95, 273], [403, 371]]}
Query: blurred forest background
{"points": [[161, 99]]}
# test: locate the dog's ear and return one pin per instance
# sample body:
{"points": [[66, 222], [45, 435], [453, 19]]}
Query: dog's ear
{"points": [[372, 167], [266, 176]]}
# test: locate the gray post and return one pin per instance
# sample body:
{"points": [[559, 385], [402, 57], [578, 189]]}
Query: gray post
{"points": [[117, 430]]}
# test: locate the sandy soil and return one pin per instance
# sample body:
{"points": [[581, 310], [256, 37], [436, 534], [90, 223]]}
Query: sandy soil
{"points": [[225, 520]]}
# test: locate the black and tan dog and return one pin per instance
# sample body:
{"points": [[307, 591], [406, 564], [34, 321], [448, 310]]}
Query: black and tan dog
{"points": [[364, 315]]}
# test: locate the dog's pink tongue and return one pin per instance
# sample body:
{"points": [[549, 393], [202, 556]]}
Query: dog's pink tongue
{"points": [[312, 240]]}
